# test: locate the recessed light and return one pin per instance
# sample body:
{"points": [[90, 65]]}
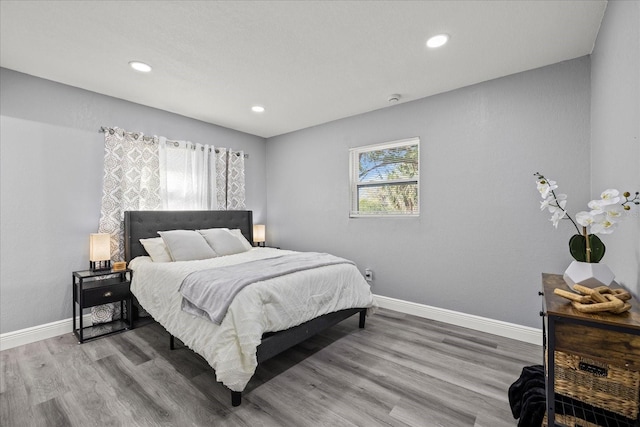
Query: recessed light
{"points": [[140, 66], [257, 109], [437, 41]]}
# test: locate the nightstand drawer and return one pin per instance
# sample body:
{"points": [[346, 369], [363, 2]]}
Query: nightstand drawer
{"points": [[105, 294]]}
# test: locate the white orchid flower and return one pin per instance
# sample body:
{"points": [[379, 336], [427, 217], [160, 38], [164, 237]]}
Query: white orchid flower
{"points": [[557, 216], [545, 187], [557, 212], [559, 206], [603, 227], [585, 219], [610, 196], [613, 213], [548, 203], [545, 203], [596, 206]]}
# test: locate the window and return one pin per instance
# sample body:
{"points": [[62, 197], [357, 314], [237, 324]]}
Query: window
{"points": [[384, 179]]}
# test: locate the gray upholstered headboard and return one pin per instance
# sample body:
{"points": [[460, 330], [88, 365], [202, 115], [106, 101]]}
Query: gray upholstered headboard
{"points": [[145, 224]]}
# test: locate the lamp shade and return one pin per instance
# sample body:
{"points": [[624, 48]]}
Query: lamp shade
{"points": [[258, 233], [99, 247]]}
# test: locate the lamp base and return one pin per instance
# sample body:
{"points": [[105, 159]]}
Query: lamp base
{"points": [[100, 265]]}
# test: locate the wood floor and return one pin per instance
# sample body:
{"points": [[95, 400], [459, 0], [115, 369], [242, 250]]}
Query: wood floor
{"points": [[399, 371]]}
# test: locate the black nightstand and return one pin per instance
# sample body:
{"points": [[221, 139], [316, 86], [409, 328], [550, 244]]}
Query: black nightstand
{"points": [[91, 288]]}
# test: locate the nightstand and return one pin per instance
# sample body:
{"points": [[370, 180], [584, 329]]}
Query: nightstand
{"points": [[592, 361], [91, 288]]}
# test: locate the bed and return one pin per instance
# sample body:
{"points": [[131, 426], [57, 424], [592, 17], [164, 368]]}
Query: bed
{"points": [[249, 334]]}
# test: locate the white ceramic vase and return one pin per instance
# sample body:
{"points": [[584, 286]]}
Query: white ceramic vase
{"points": [[588, 274]]}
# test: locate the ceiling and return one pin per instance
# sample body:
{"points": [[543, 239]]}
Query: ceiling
{"points": [[306, 62]]}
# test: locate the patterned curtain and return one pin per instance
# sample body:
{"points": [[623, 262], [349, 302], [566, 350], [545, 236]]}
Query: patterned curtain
{"points": [[153, 173], [235, 180], [230, 179], [131, 182]]}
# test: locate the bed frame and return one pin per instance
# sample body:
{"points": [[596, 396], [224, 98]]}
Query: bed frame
{"points": [[145, 224]]}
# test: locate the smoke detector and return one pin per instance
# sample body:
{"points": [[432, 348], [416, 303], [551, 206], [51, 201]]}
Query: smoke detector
{"points": [[394, 98]]}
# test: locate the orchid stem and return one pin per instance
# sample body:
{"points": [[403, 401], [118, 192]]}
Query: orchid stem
{"points": [[586, 239], [566, 213]]}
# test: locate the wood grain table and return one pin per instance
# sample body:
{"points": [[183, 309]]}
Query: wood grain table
{"points": [[610, 338]]}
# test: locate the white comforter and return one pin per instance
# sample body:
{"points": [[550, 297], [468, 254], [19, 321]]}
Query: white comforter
{"points": [[267, 306]]}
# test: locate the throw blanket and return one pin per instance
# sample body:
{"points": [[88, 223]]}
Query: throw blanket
{"points": [[209, 293], [528, 398]]}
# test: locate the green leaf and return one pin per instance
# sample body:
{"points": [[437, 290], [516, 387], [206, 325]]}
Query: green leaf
{"points": [[578, 248]]}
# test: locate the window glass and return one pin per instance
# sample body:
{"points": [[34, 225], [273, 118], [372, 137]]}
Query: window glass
{"points": [[384, 179]]}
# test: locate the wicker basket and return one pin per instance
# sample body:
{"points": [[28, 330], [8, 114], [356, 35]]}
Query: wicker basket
{"points": [[599, 384]]}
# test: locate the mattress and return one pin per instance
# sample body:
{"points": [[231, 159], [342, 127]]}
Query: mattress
{"points": [[267, 306]]}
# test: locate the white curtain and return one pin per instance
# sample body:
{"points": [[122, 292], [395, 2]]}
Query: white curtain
{"points": [[187, 175], [131, 182], [200, 176]]}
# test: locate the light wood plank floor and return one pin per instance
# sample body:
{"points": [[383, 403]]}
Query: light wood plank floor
{"points": [[399, 371]]}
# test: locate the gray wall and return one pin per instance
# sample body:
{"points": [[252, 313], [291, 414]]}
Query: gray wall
{"points": [[51, 185], [615, 129], [481, 242]]}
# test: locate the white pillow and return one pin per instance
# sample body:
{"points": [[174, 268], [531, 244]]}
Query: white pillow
{"points": [[243, 240], [156, 249], [186, 245], [224, 241]]}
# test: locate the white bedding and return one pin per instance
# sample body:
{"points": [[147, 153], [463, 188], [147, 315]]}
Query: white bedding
{"points": [[267, 306]]}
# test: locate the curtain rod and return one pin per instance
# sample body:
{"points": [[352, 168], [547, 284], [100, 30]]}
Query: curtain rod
{"points": [[105, 129]]}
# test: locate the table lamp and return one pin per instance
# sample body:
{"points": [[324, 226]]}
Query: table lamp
{"points": [[259, 234], [99, 251]]}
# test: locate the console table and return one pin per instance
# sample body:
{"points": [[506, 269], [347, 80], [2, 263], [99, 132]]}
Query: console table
{"points": [[610, 340]]}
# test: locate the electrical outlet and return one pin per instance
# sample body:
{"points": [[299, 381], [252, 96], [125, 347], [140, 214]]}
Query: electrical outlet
{"points": [[368, 275]]}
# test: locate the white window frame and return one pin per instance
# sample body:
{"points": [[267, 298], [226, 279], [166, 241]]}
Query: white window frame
{"points": [[356, 184]]}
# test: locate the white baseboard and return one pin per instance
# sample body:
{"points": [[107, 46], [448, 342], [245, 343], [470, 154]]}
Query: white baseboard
{"points": [[509, 330], [41, 332], [483, 324]]}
